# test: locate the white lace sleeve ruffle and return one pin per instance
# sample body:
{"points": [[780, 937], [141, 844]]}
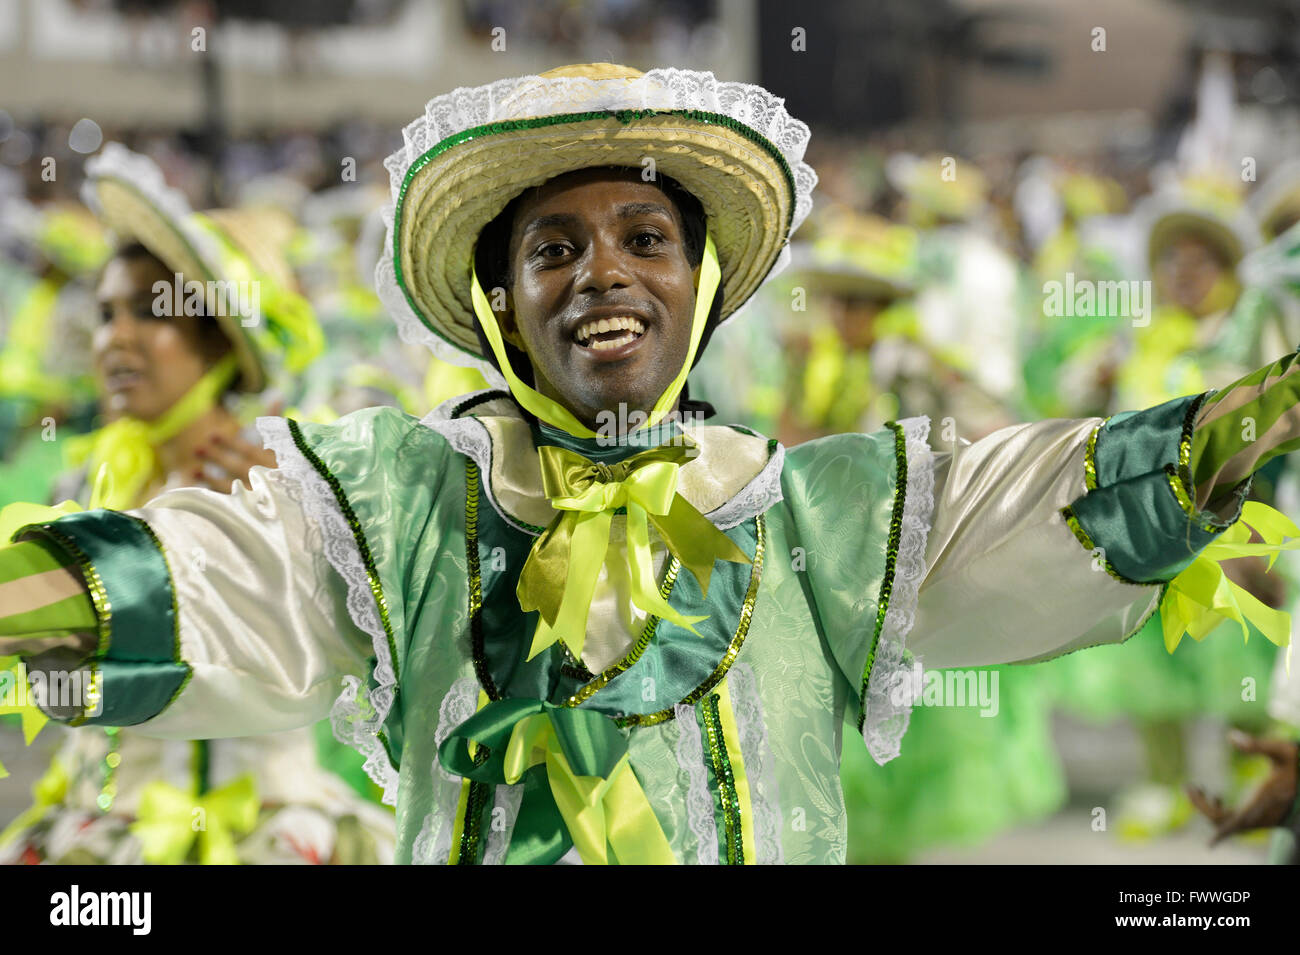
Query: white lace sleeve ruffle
{"points": [[358, 714], [887, 711]]}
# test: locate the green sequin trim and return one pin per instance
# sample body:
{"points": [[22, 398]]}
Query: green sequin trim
{"points": [[1085, 539], [475, 583], [372, 574], [624, 116], [359, 535], [1090, 459], [94, 585], [638, 648], [176, 614], [726, 781], [1189, 506], [728, 658], [891, 560], [472, 825]]}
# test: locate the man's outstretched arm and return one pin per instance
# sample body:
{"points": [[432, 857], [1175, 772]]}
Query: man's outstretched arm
{"points": [[1059, 535]]}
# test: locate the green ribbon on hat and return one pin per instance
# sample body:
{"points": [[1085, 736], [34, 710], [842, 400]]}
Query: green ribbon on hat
{"points": [[286, 324]]}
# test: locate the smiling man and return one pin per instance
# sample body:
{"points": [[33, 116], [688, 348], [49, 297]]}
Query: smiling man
{"points": [[600, 269], [642, 647]]}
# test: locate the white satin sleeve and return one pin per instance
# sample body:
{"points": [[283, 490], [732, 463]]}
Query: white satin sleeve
{"points": [[1006, 580], [262, 615]]}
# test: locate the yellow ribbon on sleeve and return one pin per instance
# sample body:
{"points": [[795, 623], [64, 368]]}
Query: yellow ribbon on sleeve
{"points": [[1202, 597]]}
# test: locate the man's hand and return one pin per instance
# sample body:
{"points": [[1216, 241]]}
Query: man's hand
{"points": [[233, 456], [1271, 803]]}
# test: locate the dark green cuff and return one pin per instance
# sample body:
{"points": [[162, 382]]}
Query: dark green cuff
{"points": [[1139, 509], [125, 571], [1135, 443]]}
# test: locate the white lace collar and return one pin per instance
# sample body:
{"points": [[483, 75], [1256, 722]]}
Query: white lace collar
{"points": [[736, 475]]}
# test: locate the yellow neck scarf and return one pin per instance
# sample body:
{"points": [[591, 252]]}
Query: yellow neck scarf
{"points": [[122, 455]]}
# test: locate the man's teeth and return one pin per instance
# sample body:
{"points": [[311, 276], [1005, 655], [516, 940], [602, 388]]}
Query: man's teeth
{"points": [[627, 323], [613, 343]]}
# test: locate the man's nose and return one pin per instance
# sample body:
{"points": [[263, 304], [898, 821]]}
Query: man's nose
{"points": [[606, 268]]}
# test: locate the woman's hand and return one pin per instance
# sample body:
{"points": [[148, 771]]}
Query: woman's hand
{"points": [[232, 457], [1272, 801]]}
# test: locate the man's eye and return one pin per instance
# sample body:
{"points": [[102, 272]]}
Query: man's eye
{"points": [[553, 250], [640, 240]]}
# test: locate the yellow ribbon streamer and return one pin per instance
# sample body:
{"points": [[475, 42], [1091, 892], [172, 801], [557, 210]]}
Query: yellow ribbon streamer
{"points": [[560, 575], [170, 819], [612, 812], [122, 456], [49, 791], [1202, 597], [15, 697]]}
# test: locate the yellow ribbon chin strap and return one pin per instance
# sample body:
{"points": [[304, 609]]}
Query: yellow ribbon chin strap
{"points": [[559, 577], [556, 414], [121, 454], [1202, 597]]}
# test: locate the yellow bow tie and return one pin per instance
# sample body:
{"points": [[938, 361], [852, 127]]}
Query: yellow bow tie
{"points": [[559, 577], [170, 819]]}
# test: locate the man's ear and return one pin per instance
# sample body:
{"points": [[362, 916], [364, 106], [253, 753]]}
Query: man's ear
{"points": [[505, 315]]}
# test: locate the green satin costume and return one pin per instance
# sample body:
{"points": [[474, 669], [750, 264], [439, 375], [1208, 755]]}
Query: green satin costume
{"points": [[384, 552]]}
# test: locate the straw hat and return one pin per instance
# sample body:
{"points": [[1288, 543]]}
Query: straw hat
{"points": [[1276, 204], [1165, 216], [217, 248], [859, 255], [732, 145]]}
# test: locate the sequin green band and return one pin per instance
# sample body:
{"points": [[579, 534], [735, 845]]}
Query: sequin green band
{"points": [[475, 583], [1083, 538], [372, 574], [1090, 459], [638, 648], [623, 116], [1194, 515], [89, 575], [472, 822], [725, 780], [737, 640], [891, 559], [171, 590]]}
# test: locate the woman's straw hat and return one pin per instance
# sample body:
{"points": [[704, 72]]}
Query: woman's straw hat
{"points": [[219, 249]]}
